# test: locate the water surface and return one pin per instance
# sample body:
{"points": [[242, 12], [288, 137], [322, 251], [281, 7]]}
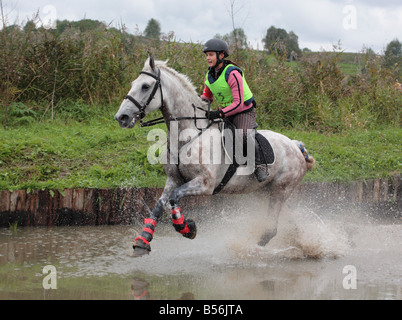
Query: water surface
{"points": [[306, 260]]}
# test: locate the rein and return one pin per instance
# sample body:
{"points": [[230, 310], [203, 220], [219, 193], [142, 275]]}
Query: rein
{"points": [[142, 114], [162, 119]]}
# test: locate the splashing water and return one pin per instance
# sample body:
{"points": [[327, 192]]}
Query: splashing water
{"points": [[305, 260]]}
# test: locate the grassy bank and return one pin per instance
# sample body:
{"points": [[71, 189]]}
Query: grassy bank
{"points": [[97, 153], [68, 154]]}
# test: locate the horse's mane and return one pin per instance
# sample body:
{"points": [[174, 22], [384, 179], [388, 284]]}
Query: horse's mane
{"points": [[183, 79]]}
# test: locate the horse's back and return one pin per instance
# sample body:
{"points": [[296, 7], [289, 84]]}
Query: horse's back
{"points": [[290, 165], [280, 142]]}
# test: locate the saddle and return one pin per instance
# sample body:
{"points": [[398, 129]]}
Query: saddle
{"points": [[265, 155]]}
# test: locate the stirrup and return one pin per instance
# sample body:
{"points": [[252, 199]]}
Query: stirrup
{"points": [[261, 174]]}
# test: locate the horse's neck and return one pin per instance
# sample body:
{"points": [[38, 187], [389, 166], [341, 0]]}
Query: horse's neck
{"points": [[182, 103]]}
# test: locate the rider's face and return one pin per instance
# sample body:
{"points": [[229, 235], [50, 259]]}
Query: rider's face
{"points": [[211, 58]]}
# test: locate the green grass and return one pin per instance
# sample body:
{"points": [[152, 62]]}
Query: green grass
{"points": [[353, 155], [91, 154], [97, 153]]}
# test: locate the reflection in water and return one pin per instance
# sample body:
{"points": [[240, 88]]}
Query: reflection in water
{"points": [[140, 289], [305, 261]]}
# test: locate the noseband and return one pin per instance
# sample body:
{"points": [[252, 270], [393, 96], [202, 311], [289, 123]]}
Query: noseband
{"points": [[157, 86]]}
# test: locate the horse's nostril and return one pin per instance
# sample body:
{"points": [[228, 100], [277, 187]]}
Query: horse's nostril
{"points": [[123, 118]]}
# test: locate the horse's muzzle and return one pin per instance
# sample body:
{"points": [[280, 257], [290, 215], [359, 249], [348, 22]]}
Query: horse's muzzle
{"points": [[125, 121]]}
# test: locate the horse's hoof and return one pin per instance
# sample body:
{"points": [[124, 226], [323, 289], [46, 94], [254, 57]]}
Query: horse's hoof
{"points": [[140, 252], [267, 237], [141, 248], [193, 230]]}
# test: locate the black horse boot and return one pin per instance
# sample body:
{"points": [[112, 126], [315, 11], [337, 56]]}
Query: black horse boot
{"points": [[261, 169]]}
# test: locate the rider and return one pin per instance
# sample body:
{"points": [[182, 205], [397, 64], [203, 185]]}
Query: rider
{"points": [[226, 83]]}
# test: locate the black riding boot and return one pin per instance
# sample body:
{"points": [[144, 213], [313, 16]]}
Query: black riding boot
{"points": [[261, 169]]}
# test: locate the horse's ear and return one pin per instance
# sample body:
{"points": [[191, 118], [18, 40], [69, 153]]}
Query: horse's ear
{"points": [[152, 61]]}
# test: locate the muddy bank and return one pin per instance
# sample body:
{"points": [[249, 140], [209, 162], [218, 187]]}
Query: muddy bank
{"points": [[125, 206]]}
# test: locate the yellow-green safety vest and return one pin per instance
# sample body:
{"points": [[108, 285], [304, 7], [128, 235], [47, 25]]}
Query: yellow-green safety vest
{"points": [[221, 90]]}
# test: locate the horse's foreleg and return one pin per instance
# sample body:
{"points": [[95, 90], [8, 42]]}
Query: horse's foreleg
{"points": [[197, 186], [185, 227], [142, 242]]}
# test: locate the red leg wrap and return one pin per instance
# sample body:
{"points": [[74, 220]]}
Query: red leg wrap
{"points": [[176, 211], [143, 239], [150, 221]]}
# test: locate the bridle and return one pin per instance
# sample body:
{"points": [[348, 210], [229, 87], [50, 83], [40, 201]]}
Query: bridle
{"points": [[142, 108]]}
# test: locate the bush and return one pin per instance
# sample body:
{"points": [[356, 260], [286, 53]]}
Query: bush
{"points": [[73, 67]]}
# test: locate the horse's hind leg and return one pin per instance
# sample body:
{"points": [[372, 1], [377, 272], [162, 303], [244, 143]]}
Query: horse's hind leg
{"points": [[277, 202], [266, 237]]}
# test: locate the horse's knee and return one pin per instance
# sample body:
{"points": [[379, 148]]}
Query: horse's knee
{"points": [[266, 237], [174, 199], [158, 210]]}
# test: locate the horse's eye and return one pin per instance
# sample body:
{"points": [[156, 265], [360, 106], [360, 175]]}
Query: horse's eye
{"points": [[145, 87]]}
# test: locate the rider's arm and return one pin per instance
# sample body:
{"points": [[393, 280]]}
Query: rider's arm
{"points": [[235, 82], [207, 95]]}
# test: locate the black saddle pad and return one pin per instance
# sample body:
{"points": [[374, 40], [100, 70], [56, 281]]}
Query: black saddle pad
{"points": [[266, 152]]}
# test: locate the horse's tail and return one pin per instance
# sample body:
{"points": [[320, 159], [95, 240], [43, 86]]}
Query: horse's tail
{"points": [[310, 161]]}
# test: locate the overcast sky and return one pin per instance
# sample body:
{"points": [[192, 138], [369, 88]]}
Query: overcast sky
{"points": [[318, 23]]}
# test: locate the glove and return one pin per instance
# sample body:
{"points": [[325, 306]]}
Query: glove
{"points": [[212, 115]]}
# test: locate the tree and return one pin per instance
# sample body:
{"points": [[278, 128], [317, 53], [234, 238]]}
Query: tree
{"points": [[29, 26], [292, 43], [393, 57], [235, 39], [273, 36], [393, 53], [281, 42], [153, 29]]}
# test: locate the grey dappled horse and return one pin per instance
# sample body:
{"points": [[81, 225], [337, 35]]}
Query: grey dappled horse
{"points": [[187, 162]]}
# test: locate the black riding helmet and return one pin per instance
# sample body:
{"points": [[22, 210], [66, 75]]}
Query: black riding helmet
{"points": [[218, 46]]}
